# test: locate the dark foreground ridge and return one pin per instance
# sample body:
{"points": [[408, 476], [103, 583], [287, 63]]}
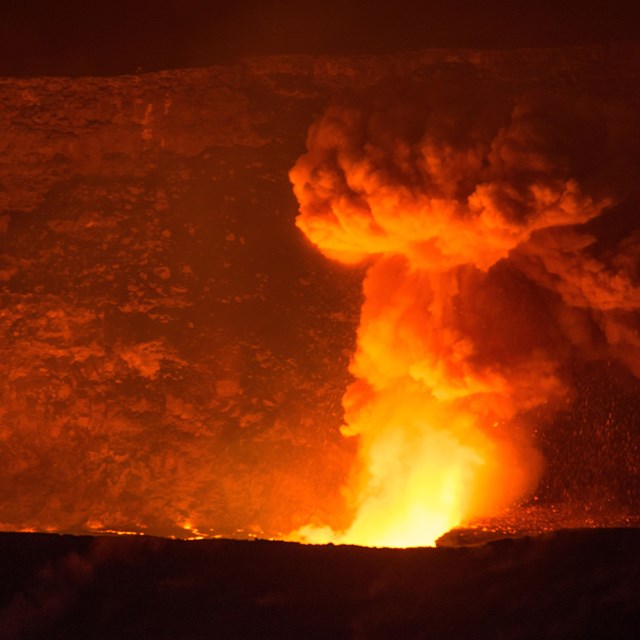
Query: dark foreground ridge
{"points": [[566, 584]]}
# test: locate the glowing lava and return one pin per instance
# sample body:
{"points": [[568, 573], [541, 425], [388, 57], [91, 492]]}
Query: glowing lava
{"points": [[428, 457], [432, 195]]}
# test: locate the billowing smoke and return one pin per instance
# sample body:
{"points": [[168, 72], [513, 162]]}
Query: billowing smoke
{"points": [[482, 220]]}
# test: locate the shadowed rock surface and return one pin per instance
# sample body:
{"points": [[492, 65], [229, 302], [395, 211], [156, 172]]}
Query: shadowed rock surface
{"points": [[571, 584]]}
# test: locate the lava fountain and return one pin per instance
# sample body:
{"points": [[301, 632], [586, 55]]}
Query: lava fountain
{"points": [[455, 205]]}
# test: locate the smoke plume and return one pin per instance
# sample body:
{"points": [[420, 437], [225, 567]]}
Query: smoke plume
{"points": [[482, 221]]}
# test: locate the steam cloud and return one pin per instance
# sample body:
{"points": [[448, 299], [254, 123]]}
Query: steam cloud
{"points": [[485, 222]]}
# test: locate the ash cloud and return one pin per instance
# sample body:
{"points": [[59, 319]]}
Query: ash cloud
{"points": [[467, 178], [486, 221], [471, 173]]}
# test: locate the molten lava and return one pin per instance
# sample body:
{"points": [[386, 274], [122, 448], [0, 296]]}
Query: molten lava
{"points": [[434, 194]]}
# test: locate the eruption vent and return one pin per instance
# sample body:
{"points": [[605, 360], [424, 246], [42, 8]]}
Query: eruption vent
{"points": [[475, 219]]}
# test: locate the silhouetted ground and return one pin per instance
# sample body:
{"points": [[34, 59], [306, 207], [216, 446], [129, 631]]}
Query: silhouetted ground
{"points": [[569, 584]]}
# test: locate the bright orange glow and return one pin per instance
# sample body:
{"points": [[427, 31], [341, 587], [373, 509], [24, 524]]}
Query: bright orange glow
{"points": [[433, 408], [428, 457]]}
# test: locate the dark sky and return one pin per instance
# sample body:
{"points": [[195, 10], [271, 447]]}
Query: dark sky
{"points": [[74, 37]]}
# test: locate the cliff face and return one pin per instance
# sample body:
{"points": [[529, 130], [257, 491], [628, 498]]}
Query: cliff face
{"points": [[156, 307], [174, 352]]}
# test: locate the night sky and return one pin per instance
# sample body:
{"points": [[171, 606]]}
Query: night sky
{"points": [[49, 37]]}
